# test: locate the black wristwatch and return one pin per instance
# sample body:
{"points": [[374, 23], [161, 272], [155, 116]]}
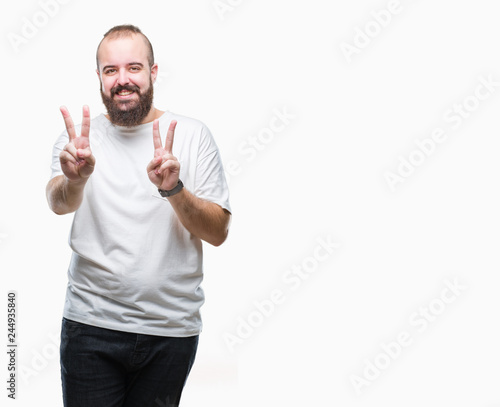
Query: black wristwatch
{"points": [[173, 191]]}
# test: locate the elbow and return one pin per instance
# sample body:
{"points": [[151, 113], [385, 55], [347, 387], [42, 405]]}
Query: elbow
{"points": [[223, 233], [57, 201], [59, 211], [49, 195], [219, 239]]}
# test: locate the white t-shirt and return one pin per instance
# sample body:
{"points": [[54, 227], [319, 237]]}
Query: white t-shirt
{"points": [[135, 268]]}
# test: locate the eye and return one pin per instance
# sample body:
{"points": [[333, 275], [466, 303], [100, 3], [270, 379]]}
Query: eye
{"points": [[110, 71], [135, 68]]}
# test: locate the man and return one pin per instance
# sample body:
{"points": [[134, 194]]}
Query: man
{"points": [[142, 208]]}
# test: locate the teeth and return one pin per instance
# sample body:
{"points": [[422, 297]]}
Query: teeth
{"points": [[125, 92]]}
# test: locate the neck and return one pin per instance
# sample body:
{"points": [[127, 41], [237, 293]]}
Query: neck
{"points": [[153, 114]]}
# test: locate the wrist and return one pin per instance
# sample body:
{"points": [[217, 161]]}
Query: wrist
{"points": [[171, 192], [78, 183], [179, 197]]}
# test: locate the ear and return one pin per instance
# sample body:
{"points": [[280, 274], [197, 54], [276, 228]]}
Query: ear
{"points": [[99, 76], [154, 73]]}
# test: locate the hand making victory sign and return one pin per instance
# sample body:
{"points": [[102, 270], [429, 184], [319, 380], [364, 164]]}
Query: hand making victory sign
{"points": [[77, 161], [163, 169]]}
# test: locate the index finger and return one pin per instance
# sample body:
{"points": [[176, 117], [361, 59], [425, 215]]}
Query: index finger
{"points": [[86, 122], [156, 134], [68, 121], [169, 141]]}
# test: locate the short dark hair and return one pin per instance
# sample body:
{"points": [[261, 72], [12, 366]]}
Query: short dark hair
{"points": [[126, 30]]}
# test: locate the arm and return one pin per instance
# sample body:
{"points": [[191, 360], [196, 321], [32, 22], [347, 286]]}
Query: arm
{"points": [[65, 192], [64, 196], [204, 219]]}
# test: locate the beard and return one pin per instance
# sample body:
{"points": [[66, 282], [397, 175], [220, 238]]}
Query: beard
{"points": [[128, 113]]}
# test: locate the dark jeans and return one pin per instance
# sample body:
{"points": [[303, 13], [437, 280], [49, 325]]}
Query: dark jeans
{"points": [[106, 368]]}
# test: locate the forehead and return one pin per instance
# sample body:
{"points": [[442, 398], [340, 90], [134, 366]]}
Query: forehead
{"points": [[123, 50]]}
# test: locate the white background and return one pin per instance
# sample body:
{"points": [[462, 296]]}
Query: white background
{"points": [[321, 177]]}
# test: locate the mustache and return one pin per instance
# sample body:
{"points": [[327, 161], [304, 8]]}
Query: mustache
{"points": [[119, 88]]}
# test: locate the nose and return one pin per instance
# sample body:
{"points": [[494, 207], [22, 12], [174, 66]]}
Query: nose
{"points": [[123, 78]]}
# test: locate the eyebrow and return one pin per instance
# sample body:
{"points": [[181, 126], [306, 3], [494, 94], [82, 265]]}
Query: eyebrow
{"points": [[129, 64]]}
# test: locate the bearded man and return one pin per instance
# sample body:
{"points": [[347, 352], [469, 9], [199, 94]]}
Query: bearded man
{"points": [[142, 208]]}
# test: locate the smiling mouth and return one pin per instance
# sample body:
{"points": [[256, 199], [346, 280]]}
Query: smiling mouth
{"points": [[124, 93]]}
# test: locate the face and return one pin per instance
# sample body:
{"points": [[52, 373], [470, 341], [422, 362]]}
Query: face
{"points": [[126, 79]]}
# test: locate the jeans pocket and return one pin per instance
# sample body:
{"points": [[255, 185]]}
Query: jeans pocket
{"points": [[70, 329]]}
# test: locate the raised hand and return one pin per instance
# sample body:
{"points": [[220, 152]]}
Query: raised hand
{"points": [[77, 161], [163, 169]]}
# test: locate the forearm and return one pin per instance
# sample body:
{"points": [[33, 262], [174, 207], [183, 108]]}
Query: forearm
{"points": [[64, 196], [204, 219]]}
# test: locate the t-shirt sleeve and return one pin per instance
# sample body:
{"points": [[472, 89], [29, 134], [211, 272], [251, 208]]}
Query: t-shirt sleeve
{"points": [[210, 180], [62, 140]]}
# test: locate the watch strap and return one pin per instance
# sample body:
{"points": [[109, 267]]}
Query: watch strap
{"points": [[172, 191]]}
